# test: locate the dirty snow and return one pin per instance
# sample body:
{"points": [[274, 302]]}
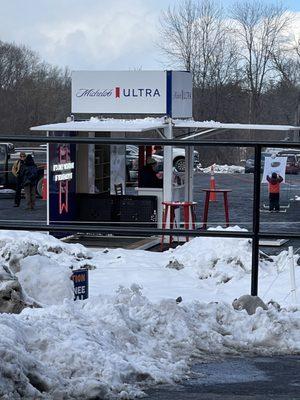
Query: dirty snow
{"points": [[131, 333], [222, 169]]}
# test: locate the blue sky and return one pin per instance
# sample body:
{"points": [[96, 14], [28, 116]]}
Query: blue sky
{"points": [[93, 34], [293, 5]]}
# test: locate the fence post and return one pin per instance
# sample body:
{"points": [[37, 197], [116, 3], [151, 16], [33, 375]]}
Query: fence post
{"points": [[256, 206], [292, 274]]}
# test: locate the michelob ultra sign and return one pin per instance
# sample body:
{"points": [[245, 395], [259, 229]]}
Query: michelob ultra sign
{"points": [[132, 92]]}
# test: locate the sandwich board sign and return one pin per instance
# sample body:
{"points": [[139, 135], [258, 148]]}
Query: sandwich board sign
{"points": [[80, 278], [274, 164], [132, 92]]}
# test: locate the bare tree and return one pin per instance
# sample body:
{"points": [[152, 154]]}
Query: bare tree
{"points": [[287, 61], [193, 35], [258, 29]]}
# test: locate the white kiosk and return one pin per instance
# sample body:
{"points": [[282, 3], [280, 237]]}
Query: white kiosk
{"points": [[165, 94]]}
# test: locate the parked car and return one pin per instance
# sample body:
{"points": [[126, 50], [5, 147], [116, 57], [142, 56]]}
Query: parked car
{"points": [[132, 155], [289, 151], [292, 163], [249, 164], [178, 158]]}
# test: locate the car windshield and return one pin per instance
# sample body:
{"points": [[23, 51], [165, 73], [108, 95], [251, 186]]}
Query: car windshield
{"points": [[290, 158]]}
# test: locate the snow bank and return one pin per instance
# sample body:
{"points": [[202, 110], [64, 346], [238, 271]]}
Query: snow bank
{"points": [[212, 269], [131, 333], [221, 258], [119, 345]]}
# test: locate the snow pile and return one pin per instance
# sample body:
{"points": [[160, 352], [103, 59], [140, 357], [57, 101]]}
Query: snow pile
{"points": [[42, 263], [131, 333], [223, 169], [7, 191], [221, 259], [212, 269], [120, 344]]}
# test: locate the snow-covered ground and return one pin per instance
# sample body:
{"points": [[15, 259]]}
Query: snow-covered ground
{"points": [[131, 333], [222, 169]]}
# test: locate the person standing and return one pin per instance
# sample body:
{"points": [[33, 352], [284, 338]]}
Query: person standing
{"points": [[148, 176], [17, 170], [29, 179], [274, 191]]}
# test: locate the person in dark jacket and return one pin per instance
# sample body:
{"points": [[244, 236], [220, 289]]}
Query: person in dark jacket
{"points": [[148, 175], [274, 191], [17, 170], [29, 179]]}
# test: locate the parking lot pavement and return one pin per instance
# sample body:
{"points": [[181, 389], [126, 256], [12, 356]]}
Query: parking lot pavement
{"points": [[257, 378], [9, 213], [240, 205], [241, 202]]}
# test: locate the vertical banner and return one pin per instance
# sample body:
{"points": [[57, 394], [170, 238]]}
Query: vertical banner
{"points": [[62, 180], [117, 167]]}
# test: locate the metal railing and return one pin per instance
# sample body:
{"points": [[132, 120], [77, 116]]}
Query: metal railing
{"points": [[255, 235]]}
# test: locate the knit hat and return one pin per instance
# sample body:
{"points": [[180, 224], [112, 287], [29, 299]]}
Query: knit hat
{"points": [[151, 161]]}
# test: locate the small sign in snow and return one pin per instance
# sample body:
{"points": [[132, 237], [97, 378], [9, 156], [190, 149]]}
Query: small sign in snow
{"points": [[80, 278]]}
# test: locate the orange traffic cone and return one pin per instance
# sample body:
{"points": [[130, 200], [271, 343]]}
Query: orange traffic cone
{"points": [[44, 188], [212, 186]]}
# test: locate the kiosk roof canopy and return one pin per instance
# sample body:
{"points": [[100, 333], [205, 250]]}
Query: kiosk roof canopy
{"points": [[141, 125], [105, 125], [221, 125]]}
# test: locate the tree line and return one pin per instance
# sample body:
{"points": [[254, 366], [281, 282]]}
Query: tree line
{"points": [[32, 92]]}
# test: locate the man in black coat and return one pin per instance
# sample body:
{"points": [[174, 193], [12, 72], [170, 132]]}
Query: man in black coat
{"points": [[148, 175], [17, 171], [29, 179]]}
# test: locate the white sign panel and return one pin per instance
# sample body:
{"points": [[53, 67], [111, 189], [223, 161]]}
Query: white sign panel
{"points": [[274, 164], [122, 92], [182, 95]]}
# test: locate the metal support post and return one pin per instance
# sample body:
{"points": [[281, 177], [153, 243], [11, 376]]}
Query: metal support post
{"points": [[168, 164], [189, 173]]}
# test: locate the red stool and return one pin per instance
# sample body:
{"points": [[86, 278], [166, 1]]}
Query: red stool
{"points": [[188, 209], [206, 204]]}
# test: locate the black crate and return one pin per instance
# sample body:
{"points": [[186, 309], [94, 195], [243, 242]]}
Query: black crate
{"points": [[94, 207], [138, 210]]}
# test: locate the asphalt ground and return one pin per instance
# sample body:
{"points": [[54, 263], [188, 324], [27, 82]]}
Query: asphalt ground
{"points": [[240, 201], [256, 378]]}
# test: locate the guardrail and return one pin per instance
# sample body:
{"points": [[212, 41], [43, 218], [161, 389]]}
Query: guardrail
{"points": [[255, 235]]}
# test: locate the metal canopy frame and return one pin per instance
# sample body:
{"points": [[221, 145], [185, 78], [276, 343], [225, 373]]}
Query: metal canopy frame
{"points": [[255, 235]]}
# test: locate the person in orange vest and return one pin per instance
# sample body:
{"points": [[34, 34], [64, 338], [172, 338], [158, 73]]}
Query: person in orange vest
{"points": [[274, 191]]}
